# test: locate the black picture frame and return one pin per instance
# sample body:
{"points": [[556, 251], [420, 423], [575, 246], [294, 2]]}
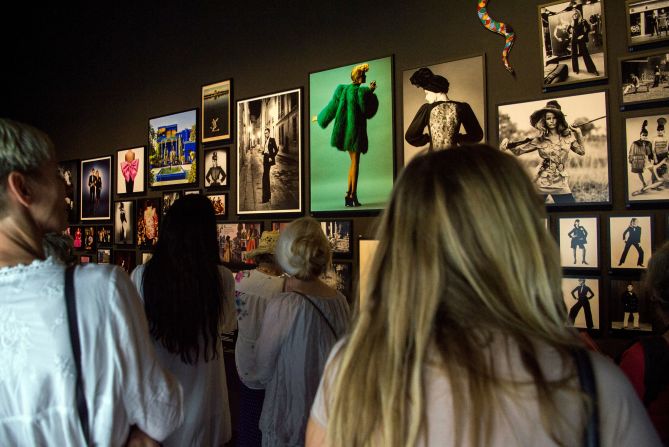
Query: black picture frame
{"points": [[641, 16], [69, 171], [216, 111], [577, 309], [124, 222], [216, 168], [339, 233], [173, 150], [130, 162], [169, 197], [621, 257], [644, 79], [96, 194], [125, 259], [579, 244], [220, 204], [148, 222]]}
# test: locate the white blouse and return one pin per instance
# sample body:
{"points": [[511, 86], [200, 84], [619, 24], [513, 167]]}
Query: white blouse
{"points": [[123, 383]]}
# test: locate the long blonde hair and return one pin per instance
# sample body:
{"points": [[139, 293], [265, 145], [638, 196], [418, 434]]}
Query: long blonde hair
{"points": [[463, 255]]}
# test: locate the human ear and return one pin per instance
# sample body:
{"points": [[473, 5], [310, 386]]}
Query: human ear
{"points": [[17, 184]]}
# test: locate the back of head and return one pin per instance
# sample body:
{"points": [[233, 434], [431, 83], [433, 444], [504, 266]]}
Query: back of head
{"points": [[59, 246], [657, 279], [303, 250], [182, 286]]}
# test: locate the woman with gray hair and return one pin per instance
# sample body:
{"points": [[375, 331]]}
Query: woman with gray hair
{"points": [[299, 328], [48, 395]]}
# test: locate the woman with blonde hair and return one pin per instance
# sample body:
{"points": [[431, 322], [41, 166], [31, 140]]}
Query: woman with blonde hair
{"points": [[463, 337]]}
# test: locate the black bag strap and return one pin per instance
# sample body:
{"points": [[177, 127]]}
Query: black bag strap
{"points": [[319, 311], [71, 306], [586, 377]]}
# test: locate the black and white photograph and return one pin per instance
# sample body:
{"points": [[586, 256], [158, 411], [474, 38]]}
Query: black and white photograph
{"points": [[130, 170], [95, 197], [647, 21], [579, 242], [168, 200], [647, 162], [629, 308], [574, 42], [563, 143], [581, 296], [69, 171], [644, 78], [220, 204], [443, 105], [338, 233], [216, 102], [216, 168], [339, 276], [269, 154], [104, 256], [124, 222], [103, 235], [235, 239], [126, 259], [631, 241]]}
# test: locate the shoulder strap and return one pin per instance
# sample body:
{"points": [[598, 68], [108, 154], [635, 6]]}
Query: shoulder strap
{"points": [[71, 306], [586, 377], [319, 311]]}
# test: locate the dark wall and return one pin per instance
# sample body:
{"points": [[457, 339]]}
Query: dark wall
{"points": [[92, 79]]}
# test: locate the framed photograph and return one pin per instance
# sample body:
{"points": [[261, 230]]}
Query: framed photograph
{"points": [[216, 103], [148, 219], [220, 203], [77, 237], [146, 256], [581, 296], [280, 226], [235, 239], [173, 149], [126, 259], [644, 78], [339, 234], [647, 22], [352, 166], [124, 222], [130, 170], [579, 242], [86, 259], [630, 241], [104, 256], [366, 250], [443, 105], [95, 198], [89, 238], [629, 307], [168, 200], [216, 167], [573, 171], [647, 161], [269, 153], [69, 170], [103, 235], [339, 276], [574, 42]]}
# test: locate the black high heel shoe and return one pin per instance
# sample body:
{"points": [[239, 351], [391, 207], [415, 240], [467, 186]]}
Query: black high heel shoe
{"points": [[354, 201], [348, 201]]}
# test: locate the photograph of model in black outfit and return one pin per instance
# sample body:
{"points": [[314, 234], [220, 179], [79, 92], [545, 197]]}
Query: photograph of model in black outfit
{"points": [[582, 294], [579, 238], [215, 176], [632, 238], [441, 117], [630, 306]]}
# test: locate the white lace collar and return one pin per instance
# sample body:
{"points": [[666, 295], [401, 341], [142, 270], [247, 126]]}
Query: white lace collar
{"points": [[19, 269]]}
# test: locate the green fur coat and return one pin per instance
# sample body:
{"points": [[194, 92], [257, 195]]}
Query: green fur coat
{"points": [[350, 107]]}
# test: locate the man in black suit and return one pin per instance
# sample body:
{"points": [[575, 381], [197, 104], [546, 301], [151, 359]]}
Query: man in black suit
{"points": [[92, 185], [632, 237], [269, 151], [585, 294]]}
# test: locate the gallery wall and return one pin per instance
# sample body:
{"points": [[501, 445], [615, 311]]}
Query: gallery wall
{"points": [[92, 79]]}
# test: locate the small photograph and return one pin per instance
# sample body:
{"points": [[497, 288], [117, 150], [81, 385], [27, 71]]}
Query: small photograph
{"points": [[629, 308], [168, 200], [86, 259], [338, 276], [69, 170], [269, 153], [574, 42], [89, 238], [216, 103], [219, 201], [235, 239], [626, 233], [130, 170], [647, 21], [103, 235], [125, 259], [647, 161], [77, 237], [443, 105], [644, 78], [216, 168], [338, 233], [173, 149], [124, 223], [95, 198], [104, 256], [148, 212], [579, 242], [280, 226], [146, 256], [581, 296], [563, 144]]}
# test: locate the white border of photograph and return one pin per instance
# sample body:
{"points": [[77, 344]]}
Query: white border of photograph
{"points": [[569, 284], [643, 7], [655, 184], [139, 184], [580, 245], [618, 226]]}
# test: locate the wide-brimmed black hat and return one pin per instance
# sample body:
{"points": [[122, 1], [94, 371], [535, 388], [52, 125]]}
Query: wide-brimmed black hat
{"points": [[551, 106]]}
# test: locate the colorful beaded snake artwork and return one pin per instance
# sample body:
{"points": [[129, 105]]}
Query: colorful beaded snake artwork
{"points": [[500, 28]]}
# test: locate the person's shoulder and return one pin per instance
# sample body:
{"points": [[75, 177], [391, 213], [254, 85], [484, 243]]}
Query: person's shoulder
{"points": [[607, 374], [101, 285]]}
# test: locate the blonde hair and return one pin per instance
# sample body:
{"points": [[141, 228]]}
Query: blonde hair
{"points": [[358, 71], [303, 250], [490, 268]]}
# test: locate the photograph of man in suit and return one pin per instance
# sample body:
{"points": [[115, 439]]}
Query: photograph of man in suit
{"points": [[269, 151], [632, 237], [92, 185], [582, 294]]}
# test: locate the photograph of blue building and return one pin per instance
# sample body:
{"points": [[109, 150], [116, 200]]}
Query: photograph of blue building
{"points": [[173, 149]]}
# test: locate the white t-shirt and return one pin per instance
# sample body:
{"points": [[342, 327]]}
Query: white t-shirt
{"points": [[123, 383], [622, 419]]}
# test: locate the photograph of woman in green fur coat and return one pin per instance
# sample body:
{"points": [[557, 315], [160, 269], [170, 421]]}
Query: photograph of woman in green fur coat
{"points": [[361, 117]]}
